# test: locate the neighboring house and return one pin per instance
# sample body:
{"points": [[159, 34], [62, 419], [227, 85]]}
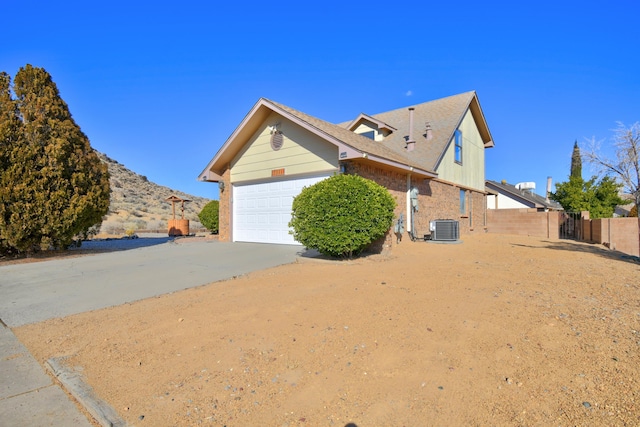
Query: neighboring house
{"points": [[501, 195], [436, 147], [623, 210]]}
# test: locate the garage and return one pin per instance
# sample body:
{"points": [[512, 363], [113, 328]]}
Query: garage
{"points": [[262, 211]]}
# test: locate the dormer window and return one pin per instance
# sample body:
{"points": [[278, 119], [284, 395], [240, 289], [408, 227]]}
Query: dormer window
{"points": [[370, 127], [371, 134]]}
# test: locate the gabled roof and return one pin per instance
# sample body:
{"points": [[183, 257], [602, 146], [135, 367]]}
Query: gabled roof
{"points": [[364, 117], [350, 145], [444, 116], [525, 197]]}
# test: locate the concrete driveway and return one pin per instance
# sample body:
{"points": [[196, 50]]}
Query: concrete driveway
{"points": [[38, 291], [139, 269]]}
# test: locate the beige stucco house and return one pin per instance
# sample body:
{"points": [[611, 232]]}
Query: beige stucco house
{"points": [[436, 148]]}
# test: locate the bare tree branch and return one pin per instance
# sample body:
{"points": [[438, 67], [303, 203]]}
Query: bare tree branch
{"points": [[625, 167]]}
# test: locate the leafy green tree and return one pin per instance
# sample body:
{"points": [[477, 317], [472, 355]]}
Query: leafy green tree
{"points": [[341, 215], [209, 216], [54, 186], [600, 198]]}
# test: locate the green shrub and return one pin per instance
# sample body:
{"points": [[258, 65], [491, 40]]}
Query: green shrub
{"points": [[340, 216], [209, 216]]}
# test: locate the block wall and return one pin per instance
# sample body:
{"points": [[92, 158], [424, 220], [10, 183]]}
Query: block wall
{"points": [[524, 222], [621, 234]]}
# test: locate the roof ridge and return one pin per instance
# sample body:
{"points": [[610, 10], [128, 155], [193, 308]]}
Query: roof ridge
{"points": [[470, 93]]}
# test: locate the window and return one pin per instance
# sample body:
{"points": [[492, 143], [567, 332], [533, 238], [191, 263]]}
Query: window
{"points": [[371, 134], [463, 202], [458, 153]]}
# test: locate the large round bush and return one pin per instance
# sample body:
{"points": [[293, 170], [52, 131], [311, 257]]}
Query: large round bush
{"points": [[341, 215], [209, 216]]}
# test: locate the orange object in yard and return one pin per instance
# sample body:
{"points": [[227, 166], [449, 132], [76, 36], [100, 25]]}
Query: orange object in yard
{"points": [[178, 227]]}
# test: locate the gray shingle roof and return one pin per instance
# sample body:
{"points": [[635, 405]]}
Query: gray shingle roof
{"points": [[537, 200], [356, 141], [444, 115]]}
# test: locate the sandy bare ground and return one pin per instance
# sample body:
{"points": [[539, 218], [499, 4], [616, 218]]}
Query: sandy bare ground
{"points": [[498, 330]]}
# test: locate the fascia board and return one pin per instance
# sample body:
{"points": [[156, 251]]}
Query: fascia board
{"points": [[223, 152]]}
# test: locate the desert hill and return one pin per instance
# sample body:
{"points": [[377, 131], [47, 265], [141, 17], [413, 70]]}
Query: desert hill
{"points": [[138, 204]]}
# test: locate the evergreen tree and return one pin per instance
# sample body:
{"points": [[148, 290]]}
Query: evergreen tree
{"points": [[576, 162], [54, 187], [10, 138], [600, 198]]}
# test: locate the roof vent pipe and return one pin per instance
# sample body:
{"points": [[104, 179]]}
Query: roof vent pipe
{"points": [[429, 132], [411, 142], [548, 188]]}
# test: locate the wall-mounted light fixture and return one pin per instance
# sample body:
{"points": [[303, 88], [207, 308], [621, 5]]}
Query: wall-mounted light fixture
{"points": [[221, 185], [274, 128]]}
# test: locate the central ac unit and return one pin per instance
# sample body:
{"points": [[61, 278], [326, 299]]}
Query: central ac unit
{"points": [[444, 229]]}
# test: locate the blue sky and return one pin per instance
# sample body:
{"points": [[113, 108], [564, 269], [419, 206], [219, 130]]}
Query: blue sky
{"points": [[159, 86]]}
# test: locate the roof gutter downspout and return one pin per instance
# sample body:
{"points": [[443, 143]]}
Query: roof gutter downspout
{"points": [[409, 210]]}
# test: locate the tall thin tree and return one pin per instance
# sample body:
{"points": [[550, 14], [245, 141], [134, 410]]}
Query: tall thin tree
{"points": [[576, 162]]}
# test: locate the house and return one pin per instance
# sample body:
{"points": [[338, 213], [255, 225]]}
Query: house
{"points": [[502, 195], [436, 149]]}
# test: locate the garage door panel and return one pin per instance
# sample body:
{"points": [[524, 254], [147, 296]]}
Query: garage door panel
{"points": [[261, 212]]}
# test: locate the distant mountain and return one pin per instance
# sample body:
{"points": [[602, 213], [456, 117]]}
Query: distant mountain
{"points": [[139, 204]]}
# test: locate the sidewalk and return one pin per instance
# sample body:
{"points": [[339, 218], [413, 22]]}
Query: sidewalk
{"points": [[28, 396]]}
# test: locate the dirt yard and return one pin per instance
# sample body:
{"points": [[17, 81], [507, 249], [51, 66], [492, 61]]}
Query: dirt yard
{"points": [[497, 330]]}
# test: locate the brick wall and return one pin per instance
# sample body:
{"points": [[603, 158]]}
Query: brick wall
{"points": [[436, 199], [524, 222], [441, 200], [224, 216], [396, 184], [619, 234]]}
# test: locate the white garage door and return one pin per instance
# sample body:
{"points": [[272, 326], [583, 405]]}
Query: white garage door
{"points": [[261, 212]]}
